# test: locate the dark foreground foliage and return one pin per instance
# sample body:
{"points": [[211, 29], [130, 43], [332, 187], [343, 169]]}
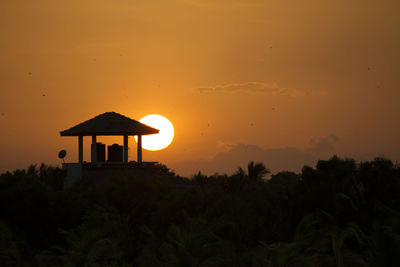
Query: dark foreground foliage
{"points": [[339, 213]]}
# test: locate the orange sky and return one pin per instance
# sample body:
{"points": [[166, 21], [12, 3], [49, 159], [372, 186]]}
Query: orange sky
{"points": [[239, 79]]}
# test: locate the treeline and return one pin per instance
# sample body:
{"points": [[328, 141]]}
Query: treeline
{"points": [[340, 213]]}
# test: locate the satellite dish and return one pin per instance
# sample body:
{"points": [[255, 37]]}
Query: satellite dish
{"points": [[62, 154]]}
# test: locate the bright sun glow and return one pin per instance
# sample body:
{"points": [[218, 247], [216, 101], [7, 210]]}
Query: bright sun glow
{"points": [[161, 140]]}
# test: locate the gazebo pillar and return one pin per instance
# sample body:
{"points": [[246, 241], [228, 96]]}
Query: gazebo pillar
{"points": [[139, 149], [125, 148], [80, 148], [94, 149]]}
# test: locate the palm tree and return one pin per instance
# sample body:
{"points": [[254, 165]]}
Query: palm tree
{"points": [[256, 171]]}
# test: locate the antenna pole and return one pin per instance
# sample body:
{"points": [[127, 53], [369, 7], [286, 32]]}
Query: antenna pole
{"points": [[80, 147], [139, 149], [125, 148]]}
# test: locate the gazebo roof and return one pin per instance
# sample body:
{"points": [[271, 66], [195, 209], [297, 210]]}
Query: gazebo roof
{"points": [[110, 123]]}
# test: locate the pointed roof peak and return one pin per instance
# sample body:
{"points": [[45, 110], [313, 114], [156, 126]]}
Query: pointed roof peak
{"points": [[110, 123]]}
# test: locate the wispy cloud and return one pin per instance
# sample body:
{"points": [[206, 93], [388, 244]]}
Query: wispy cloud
{"points": [[252, 87]]}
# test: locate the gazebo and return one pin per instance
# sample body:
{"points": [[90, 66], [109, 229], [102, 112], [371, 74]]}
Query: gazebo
{"points": [[109, 124]]}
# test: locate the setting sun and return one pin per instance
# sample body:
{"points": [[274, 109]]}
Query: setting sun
{"points": [[161, 140]]}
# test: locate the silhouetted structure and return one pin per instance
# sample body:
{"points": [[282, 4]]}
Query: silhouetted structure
{"points": [[106, 124], [110, 123], [100, 153], [115, 153]]}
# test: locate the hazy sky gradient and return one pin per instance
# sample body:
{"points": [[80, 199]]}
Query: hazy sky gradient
{"points": [[227, 73]]}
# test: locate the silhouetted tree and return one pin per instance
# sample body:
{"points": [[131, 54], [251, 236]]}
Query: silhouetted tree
{"points": [[256, 171], [338, 213]]}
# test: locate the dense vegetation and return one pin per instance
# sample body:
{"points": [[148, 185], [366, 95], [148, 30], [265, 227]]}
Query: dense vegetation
{"points": [[340, 213]]}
